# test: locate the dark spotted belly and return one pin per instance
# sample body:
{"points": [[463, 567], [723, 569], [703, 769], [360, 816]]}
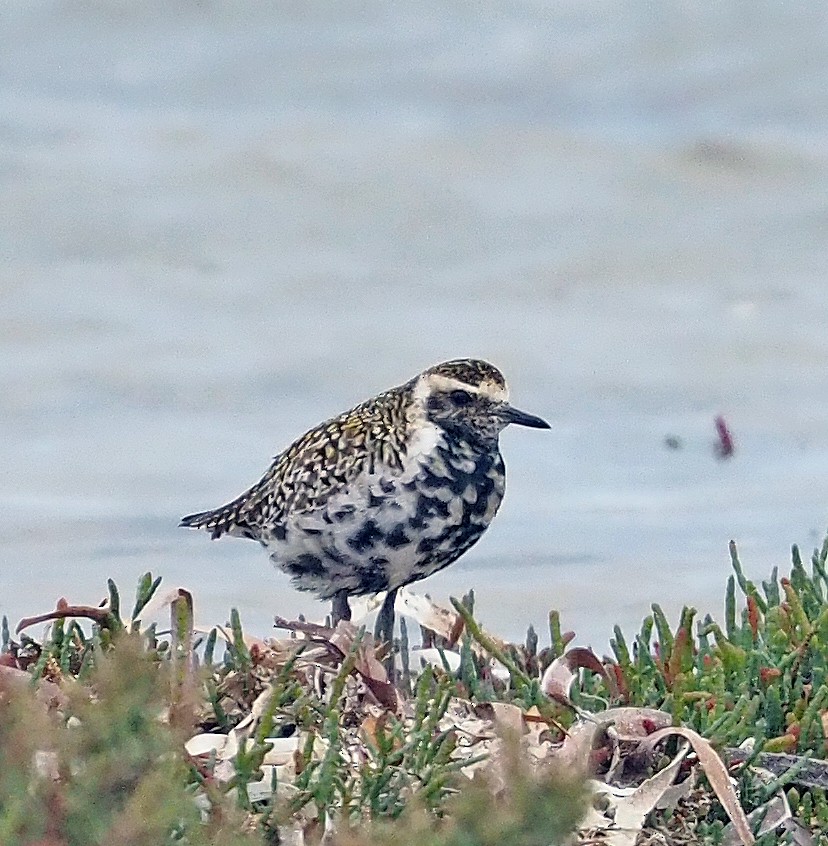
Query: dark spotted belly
{"points": [[393, 530]]}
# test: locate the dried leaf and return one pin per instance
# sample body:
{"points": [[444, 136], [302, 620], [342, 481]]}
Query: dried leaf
{"points": [[283, 750], [366, 664], [558, 679], [716, 773], [436, 618], [677, 792], [625, 809], [776, 811], [649, 793], [574, 752], [632, 723], [205, 744]]}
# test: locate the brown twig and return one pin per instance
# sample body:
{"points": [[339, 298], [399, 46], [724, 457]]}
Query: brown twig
{"points": [[312, 629], [64, 610]]}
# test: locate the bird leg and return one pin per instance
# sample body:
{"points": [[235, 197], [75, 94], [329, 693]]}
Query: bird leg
{"points": [[384, 627], [384, 630], [340, 609]]}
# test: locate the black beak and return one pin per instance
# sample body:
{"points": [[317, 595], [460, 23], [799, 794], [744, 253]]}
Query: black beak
{"points": [[512, 415]]}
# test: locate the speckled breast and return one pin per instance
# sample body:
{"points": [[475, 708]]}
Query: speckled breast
{"points": [[394, 528]]}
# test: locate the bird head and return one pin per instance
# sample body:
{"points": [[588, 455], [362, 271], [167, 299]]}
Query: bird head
{"points": [[469, 398]]}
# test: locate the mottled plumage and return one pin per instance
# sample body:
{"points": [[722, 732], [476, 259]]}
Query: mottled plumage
{"points": [[384, 494]]}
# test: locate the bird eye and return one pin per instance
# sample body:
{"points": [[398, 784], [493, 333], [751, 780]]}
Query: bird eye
{"points": [[461, 397]]}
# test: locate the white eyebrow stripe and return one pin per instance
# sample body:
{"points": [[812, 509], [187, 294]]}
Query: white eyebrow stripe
{"points": [[431, 382]]}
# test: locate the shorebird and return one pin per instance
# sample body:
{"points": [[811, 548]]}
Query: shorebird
{"points": [[386, 493]]}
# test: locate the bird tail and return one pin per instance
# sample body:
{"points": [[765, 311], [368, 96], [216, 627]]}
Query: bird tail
{"points": [[228, 519]]}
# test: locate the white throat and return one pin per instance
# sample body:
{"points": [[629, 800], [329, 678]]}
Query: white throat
{"points": [[424, 439]]}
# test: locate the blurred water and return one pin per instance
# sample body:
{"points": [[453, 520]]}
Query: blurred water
{"points": [[222, 222]]}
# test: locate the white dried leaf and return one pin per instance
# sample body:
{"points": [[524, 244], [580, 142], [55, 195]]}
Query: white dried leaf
{"points": [[206, 744], [362, 607], [292, 836], [262, 790], [470, 770], [259, 791], [473, 729], [429, 614], [557, 678], [283, 750], [157, 609], [231, 747]]}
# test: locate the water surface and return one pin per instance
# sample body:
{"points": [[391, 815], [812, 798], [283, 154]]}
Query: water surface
{"points": [[224, 222]]}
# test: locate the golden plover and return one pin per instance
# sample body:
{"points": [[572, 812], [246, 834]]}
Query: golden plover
{"points": [[384, 494]]}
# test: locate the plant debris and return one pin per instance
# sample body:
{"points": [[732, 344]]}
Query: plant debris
{"points": [[702, 733]]}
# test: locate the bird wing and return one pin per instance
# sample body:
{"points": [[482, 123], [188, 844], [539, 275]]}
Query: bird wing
{"points": [[323, 462]]}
